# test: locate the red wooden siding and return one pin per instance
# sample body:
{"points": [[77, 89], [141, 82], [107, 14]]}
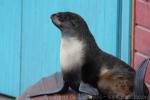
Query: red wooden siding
{"points": [[138, 58], [142, 9], [141, 35], [142, 40]]}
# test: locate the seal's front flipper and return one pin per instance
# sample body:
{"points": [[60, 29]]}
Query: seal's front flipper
{"points": [[87, 92], [87, 88]]}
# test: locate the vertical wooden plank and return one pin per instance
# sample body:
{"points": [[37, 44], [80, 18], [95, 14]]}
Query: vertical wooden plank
{"points": [[10, 22], [133, 34], [41, 39], [40, 42], [126, 30], [111, 26]]}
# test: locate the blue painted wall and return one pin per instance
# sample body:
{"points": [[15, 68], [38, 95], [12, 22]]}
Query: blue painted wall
{"points": [[10, 27], [29, 42], [126, 30]]}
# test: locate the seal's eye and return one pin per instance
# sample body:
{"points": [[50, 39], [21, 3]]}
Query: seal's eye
{"points": [[63, 18]]}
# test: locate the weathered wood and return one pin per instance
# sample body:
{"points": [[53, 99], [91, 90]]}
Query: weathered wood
{"points": [[142, 40], [143, 13], [141, 35], [138, 58], [4, 97]]}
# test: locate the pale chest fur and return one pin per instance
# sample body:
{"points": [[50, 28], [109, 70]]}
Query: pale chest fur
{"points": [[71, 53]]}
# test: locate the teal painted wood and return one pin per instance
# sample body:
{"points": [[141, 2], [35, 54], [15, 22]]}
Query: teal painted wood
{"points": [[29, 42], [40, 42], [126, 30], [110, 22], [10, 23], [41, 39]]}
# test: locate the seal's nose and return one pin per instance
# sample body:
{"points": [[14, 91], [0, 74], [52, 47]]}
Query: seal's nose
{"points": [[55, 19], [53, 16]]}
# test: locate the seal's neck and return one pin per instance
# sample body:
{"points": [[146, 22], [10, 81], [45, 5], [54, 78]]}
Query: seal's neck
{"points": [[71, 53]]}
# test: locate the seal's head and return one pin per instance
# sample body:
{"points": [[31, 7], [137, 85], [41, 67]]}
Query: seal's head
{"points": [[69, 21]]}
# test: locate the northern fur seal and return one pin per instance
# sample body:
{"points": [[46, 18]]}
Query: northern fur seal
{"points": [[82, 60]]}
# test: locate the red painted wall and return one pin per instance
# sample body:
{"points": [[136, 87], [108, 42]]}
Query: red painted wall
{"points": [[141, 35]]}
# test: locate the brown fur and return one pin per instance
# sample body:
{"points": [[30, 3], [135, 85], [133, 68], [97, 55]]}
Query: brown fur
{"points": [[116, 84]]}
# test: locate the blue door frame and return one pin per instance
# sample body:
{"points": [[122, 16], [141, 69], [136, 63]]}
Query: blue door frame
{"points": [[29, 42]]}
